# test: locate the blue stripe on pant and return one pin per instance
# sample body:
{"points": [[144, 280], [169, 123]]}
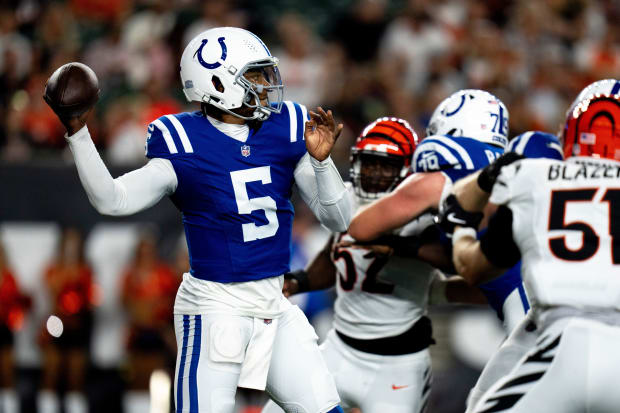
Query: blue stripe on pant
{"points": [[193, 368], [182, 364]]}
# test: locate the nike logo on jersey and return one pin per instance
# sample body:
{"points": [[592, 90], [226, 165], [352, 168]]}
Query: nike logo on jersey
{"points": [[395, 387], [452, 218]]}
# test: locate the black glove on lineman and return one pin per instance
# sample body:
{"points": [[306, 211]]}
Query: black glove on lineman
{"points": [[489, 174], [452, 214]]}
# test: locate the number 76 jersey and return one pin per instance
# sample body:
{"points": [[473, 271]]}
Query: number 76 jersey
{"points": [[566, 223], [234, 196]]}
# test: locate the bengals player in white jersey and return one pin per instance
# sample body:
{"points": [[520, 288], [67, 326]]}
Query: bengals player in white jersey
{"points": [[563, 220], [378, 349]]}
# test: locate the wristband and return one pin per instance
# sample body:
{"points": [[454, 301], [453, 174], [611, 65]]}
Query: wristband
{"points": [[461, 232], [301, 276]]}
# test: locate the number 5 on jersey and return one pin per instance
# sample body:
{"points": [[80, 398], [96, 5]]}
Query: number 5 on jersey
{"points": [[245, 205]]}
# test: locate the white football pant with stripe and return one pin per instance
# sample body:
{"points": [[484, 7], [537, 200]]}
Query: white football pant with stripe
{"points": [[572, 369], [212, 348], [519, 342], [376, 383]]}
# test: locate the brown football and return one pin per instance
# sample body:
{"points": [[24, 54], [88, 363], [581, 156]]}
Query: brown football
{"points": [[72, 89]]}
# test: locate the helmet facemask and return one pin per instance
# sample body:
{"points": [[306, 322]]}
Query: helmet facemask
{"points": [[375, 175], [261, 79]]}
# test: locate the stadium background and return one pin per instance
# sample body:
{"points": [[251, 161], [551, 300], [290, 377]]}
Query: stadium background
{"points": [[363, 59]]}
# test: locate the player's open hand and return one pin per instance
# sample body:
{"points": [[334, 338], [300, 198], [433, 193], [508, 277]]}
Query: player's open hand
{"points": [[321, 133]]}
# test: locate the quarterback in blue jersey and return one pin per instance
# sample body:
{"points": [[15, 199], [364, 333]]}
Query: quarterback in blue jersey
{"points": [[230, 168]]}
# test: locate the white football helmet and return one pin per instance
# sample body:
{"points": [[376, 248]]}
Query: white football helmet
{"points": [[213, 66], [471, 113]]}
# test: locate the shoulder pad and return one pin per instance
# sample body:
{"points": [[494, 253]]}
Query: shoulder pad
{"points": [[297, 117], [535, 144], [438, 153]]}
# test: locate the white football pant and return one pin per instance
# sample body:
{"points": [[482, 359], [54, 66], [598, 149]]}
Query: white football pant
{"points": [[211, 364], [572, 369], [519, 342], [376, 383]]}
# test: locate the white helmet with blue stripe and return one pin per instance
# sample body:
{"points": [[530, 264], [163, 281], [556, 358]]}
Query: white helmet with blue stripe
{"points": [[471, 113], [230, 68]]}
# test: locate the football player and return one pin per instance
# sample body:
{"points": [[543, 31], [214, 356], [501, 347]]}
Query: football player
{"points": [[467, 131], [229, 168], [506, 294], [378, 348], [561, 219]]}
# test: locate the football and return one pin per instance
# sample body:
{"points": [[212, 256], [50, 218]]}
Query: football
{"points": [[72, 90]]}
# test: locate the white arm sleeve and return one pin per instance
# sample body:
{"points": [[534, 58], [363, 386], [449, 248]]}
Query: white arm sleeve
{"points": [[321, 187], [126, 195]]}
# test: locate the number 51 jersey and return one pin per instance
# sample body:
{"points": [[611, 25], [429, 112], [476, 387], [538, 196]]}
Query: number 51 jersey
{"points": [[566, 223], [234, 196]]}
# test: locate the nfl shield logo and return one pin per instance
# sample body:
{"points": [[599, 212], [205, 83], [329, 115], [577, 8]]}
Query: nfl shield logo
{"points": [[245, 150]]}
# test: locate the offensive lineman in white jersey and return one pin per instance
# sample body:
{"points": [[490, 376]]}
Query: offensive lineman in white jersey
{"points": [[377, 351], [561, 219]]}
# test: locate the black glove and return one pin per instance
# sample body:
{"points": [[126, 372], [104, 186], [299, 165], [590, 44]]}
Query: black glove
{"points": [[489, 174], [452, 214], [301, 276]]}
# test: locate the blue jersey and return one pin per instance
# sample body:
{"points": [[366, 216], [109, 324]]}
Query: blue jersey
{"points": [[456, 157], [498, 290], [234, 196], [535, 144]]}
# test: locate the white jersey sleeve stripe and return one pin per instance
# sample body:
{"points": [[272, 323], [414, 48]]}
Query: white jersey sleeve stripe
{"points": [[187, 146], [469, 164], [304, 118], [523, 141], [557, 147], [430, 146], [167, 137], [292, 114]]}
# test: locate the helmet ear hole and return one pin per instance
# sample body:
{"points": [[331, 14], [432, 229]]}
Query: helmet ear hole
{"points": [[217, 83]]}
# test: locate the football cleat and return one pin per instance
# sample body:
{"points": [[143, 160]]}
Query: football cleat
{"points": [[592, 126], [381, 157], [471, 113], [228, 68]]}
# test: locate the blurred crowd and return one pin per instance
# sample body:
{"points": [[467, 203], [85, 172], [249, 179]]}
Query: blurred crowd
{"points": [[147, 288], [362, 58]]}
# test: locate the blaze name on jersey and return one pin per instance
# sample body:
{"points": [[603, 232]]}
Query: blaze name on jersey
{"points": [[234, 196], [587, 170]]}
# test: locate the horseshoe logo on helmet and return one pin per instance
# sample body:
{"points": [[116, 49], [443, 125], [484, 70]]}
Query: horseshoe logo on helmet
{"points": [[217, 63]]}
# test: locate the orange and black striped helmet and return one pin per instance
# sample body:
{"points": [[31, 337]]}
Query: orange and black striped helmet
{"points": [[381, 156]]}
